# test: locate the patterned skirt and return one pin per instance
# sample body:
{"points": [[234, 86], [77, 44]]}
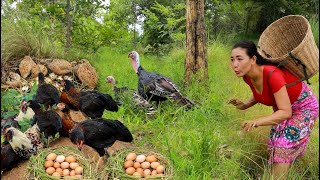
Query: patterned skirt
{"points": [[288, 140]]}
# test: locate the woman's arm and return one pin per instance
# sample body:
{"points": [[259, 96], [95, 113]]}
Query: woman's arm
{"points": [[241, 105], [284, 112]]}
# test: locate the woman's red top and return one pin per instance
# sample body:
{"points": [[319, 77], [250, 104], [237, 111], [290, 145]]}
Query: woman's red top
{"points": [[277, 79]]}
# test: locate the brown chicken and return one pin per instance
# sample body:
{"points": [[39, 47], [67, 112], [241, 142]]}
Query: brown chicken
{"points": [[92, 103], [66, 119]]}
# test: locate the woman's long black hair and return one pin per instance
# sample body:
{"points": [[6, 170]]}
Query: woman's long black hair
{"points": [[251, 50]]}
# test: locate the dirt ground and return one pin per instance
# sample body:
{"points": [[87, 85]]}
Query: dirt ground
{"points": [[19, 172]]}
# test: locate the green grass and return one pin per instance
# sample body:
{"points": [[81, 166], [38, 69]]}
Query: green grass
{"points": [[202, 143]]}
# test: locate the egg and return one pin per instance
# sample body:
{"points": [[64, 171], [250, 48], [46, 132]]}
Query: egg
{"points": [[127, 164], [70, 159], [139, 170], [48, 164], [64, 165], [160, 169], [136, 165], [154, 173], [141, 158], [137, 175], [147, 172], [72, 173], [151, 158], [56, 165], [51, 156], [131, 156], [78, 170], [59, 170], [78, 176], [50, 170], [130, 170], [74, 165], [154, 165], [66, 172], [56, 174], [60, 158], [145, 165]]}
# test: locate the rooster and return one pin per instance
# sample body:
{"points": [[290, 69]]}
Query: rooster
{"points": [[156, 87], [49, 121], [92, 103], [9, 122], [99, 134], [46, 94], [67, 121], [24, 144], [25, 111], [135, 97]]}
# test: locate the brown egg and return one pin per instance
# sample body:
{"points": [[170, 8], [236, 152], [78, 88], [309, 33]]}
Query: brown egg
{"points": [[59, 170], [145, 165], [147, 172], [154, 165], [50, 170], [78, 176], [74, 165], [139, 170], [130, 170], [48, 164], [79, 170], [70, 159], [136, 165], [160, 169], [153, 172], [131, 156], [56, 174], [127, 164], [151, 158], [137, 175], [56, 165], [72, 173], [64, 165], [51, 156], [66, 172]]}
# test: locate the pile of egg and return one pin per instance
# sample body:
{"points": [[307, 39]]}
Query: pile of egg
{"points": [[143, 166], [59, 165]]}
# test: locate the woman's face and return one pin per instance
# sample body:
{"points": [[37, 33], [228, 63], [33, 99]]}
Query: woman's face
{"points": [[241, 63]]}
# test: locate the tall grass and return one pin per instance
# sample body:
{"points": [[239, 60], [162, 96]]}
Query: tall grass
{"points": [[203, 143]]}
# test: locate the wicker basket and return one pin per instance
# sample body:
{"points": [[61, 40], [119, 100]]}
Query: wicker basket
{"points": [[289, 40]]}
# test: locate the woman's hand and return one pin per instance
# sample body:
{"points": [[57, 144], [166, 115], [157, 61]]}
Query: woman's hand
{"points": [[249, 125], [238, 104]]}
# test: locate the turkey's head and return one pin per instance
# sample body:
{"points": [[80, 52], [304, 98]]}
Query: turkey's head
{"points": [[135, 60], [111, 80]]}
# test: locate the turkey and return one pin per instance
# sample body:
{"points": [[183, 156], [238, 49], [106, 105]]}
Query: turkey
{"points": [[138, 100], [156, 87]]}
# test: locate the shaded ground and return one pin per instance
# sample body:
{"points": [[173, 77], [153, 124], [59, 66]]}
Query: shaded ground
{"points": [[19, 172]]}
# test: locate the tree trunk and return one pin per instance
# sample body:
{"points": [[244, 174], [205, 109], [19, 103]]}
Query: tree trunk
{"points": [[196, 60], [69, 24]]}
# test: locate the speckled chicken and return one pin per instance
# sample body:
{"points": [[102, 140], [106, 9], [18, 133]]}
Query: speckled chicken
{"points": [[46, 94], [24, 144], [155, 86]]}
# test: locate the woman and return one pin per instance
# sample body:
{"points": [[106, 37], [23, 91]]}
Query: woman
{"points": [[295, 107]]}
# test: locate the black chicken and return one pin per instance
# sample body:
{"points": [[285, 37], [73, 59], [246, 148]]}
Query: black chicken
{"points": [[46, 94], [99, 134], [138, 100], [49, 121], [92, 103], [156, 87], [9, 159]]}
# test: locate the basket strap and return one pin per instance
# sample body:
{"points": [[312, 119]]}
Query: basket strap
{"points": [[304, 68], [287, 85]]}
